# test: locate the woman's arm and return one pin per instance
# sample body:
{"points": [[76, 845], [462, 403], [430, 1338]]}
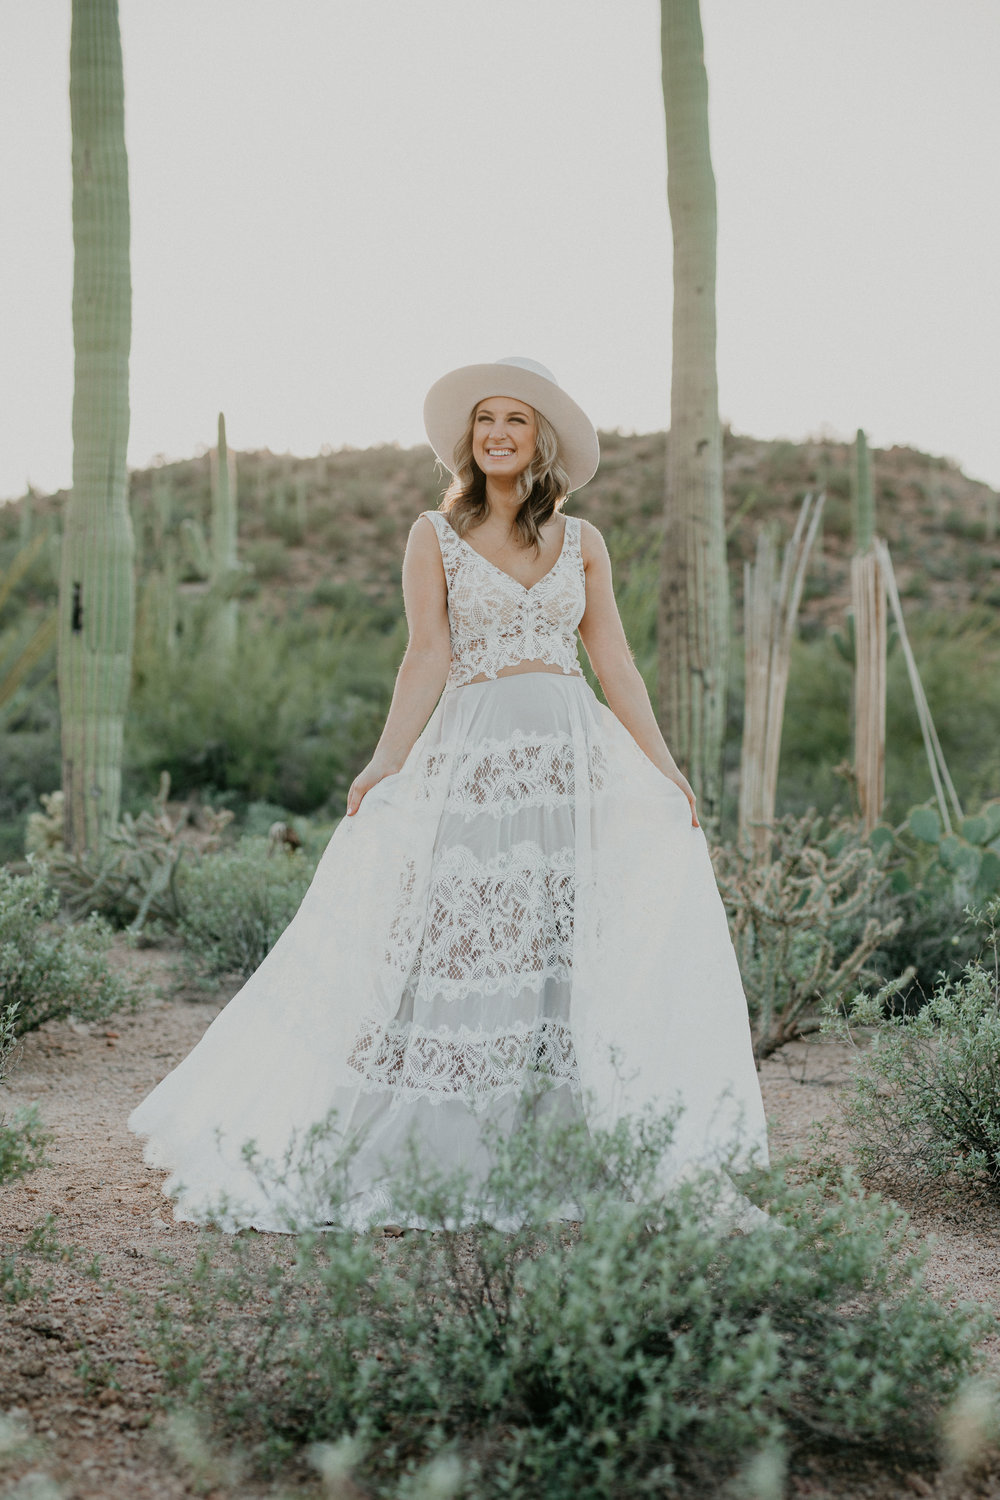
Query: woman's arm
{"points": [[603, 636], [424, 667]]}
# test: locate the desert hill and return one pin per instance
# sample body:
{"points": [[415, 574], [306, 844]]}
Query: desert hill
{"points": [[328, 525]]}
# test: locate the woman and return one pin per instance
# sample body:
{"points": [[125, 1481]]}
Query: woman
{"points": [[520, 887]]}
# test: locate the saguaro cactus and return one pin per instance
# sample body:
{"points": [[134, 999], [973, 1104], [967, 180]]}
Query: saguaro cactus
{"points": [[224, 561], [863, 495], [694, 609], [97, 591], [868, 603]]}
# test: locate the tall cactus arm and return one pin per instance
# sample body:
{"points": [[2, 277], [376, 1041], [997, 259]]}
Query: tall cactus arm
{"points": [[97, 589]]}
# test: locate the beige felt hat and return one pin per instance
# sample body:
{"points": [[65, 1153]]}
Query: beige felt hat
{"points": [[451, 399]]}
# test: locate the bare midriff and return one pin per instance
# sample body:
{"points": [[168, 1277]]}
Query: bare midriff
{"points": [[524, 666]]}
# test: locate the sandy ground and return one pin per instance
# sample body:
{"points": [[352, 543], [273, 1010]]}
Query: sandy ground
{"points": [[75, 1378]]}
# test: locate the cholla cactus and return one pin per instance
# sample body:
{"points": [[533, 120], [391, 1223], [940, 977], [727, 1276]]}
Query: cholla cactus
{"points": [[97, 592], [784, 915], [44, 830]]}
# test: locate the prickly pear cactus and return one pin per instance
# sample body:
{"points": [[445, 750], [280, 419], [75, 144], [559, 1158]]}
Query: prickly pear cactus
{"points": [[97, 595], [921, 853]]}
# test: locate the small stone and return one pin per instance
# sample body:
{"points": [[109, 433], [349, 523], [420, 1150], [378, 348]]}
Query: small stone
{"points": [[392, 1231], [32, 1368], [918, 1485]]}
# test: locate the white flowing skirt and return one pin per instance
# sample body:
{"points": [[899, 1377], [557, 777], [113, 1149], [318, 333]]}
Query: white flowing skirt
{"points": [[526, 897]]}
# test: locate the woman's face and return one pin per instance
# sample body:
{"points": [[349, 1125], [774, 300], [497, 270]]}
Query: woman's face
{"points": [[503, 437]]}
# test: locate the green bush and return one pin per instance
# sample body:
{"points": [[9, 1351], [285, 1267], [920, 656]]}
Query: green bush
{"points": [[236, 904], [22, 1139], [267, 561], [291, 723], [30, 764], [925, 1100], [959, 661], [50, 970], [646, 1349]]}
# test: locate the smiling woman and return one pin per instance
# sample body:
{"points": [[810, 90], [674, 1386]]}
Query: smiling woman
{"points": [[518, 919]]}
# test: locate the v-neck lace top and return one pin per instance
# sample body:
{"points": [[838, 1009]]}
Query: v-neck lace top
{"points": [[496, 621]]}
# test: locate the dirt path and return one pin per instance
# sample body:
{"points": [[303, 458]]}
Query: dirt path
{"points": [[72, 1373]]}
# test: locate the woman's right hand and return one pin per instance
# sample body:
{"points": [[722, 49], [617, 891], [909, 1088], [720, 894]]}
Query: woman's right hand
{"points": [[375, 771]]}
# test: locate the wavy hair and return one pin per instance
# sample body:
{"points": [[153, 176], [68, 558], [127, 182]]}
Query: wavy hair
{"points": [[541, 487]]}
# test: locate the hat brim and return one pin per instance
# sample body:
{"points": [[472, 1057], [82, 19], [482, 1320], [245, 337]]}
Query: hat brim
{"points": [[450, 402]]}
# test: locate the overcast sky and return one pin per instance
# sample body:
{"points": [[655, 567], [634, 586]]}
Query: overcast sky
{"points": [[335, 201]]}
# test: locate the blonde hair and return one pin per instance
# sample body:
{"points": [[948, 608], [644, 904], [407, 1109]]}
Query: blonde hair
{"points": [[541, 487]]}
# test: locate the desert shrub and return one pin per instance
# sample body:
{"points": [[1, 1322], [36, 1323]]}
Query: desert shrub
{"points": [[30, 764], [803, 922], [267, 561], [646, 1349], [925, 1100], [48, 969], [22, 1139], [290, 723], [236, 904], [959, 661]]}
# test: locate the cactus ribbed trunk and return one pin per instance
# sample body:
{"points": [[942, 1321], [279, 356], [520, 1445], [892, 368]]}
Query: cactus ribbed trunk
{"points": [[224, 563], [868, 605], [97, 589], [863, 495], [694, 611]]}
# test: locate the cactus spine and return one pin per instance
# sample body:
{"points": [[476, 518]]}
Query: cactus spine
{"points": [[97, 591], [694, 607]]}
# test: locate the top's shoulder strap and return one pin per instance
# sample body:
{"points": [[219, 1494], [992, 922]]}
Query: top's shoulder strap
{"points": [[447, 538]]}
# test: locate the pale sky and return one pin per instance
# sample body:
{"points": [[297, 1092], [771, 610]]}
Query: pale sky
{"points": [[335, 201]]}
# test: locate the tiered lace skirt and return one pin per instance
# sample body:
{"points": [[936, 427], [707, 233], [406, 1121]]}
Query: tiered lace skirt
{"points": [[525, 900]]}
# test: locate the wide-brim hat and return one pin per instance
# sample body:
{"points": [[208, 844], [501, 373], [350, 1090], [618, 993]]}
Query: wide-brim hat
{"points": [[450, 402]]}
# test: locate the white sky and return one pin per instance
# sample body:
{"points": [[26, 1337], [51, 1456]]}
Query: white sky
{"points": [[335, 201]]}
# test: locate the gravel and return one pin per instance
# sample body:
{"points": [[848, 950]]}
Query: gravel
{"points": [[78, 1389]]}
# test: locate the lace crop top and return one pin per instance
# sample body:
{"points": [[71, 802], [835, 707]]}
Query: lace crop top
{"points": [[496, 622]]}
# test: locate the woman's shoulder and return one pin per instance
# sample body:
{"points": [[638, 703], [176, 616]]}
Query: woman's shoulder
{"points": [[592, 543], [422, 532], [437, 521], [430, 538]]}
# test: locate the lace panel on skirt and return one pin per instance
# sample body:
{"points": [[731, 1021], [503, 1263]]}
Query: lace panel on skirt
{"points": [[476, 1066]]}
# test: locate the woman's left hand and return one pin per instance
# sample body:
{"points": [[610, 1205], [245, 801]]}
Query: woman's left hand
{"points": [[685, 787], [375, 771]]}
